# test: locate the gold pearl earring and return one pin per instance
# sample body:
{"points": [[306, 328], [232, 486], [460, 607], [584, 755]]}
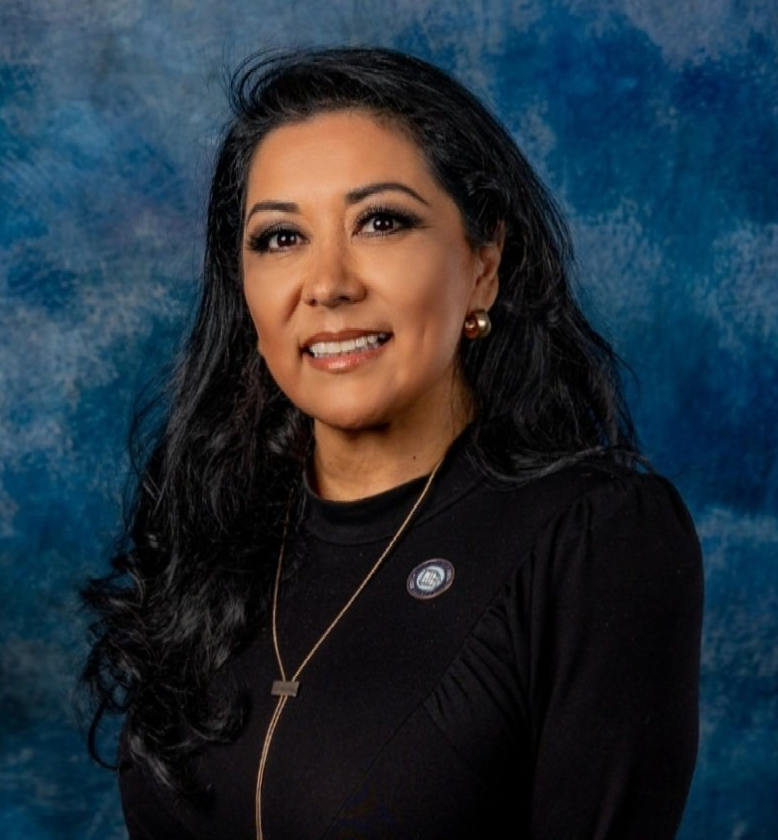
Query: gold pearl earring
{"points": [[477, 324]]}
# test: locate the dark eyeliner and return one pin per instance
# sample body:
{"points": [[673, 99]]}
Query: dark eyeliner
{"points": [[407, 219], [259, 241]]}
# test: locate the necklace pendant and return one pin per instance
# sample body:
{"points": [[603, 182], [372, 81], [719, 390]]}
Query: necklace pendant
{"points": [[285, 688]]}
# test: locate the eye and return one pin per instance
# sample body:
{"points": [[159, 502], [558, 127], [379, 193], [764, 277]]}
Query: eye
{"points": [[274, 239], [382, 221]]}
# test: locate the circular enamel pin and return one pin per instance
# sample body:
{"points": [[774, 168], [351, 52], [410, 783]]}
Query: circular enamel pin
{"points": [[430, 579]]}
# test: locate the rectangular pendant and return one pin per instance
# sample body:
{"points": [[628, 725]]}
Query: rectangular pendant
{"points": [[285, 688]]}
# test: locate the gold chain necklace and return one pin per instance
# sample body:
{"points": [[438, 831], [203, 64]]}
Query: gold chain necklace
{"points": [[285, 688]]}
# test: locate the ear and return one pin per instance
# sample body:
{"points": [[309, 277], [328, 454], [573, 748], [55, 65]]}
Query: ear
{"points": [[487, 282]]}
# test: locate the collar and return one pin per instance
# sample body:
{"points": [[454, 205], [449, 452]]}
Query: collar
{"points": [[377, 517]]}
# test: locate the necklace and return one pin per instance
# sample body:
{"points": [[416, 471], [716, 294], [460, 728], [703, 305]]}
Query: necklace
{"points": [[284, 688]]}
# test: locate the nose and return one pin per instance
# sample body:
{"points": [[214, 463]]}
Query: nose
{"points": [[332, 279]]}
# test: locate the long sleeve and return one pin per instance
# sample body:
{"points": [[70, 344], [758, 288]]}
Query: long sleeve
{"points": [[616, 617]]}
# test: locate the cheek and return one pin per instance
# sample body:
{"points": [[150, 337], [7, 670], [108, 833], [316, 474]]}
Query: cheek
{"points": [[431, 327], [267, 305], [440, 292]]}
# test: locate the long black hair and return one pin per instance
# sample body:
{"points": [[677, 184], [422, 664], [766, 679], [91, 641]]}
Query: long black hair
{"points": [[192, 580]]}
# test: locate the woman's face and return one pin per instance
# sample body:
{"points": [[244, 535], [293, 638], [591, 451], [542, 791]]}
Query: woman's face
{"points": [[358, 275]]}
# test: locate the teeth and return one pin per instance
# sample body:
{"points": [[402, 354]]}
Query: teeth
{"points": [[336, 348]]}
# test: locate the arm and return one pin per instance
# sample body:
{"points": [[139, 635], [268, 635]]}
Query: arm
{"points": [[616, 615]]}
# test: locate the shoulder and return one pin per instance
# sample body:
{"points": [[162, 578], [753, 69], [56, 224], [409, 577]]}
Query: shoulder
{"points": [[612, 540], [594, 522], [594, 508], [598, 487]]}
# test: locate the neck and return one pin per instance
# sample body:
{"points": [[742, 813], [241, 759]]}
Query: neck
{"points": [[349, 465]]}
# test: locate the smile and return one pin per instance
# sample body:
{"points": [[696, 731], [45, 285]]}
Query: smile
{"points": [[327, 349]]}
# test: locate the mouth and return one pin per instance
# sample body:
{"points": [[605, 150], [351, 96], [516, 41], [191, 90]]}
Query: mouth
{"points": [[330, 349]]}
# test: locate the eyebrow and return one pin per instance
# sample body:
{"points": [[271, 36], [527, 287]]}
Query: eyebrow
{"points": [[278, 206], [356, 195], [352, 197]]}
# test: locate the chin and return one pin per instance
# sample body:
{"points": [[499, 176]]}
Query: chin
{"points": [[351, 420]]}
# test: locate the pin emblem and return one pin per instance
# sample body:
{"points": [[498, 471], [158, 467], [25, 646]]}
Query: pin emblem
{"points": [[430, 579]]}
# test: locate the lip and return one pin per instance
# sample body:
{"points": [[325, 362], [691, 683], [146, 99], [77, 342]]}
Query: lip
{"points": [[345, 362]]}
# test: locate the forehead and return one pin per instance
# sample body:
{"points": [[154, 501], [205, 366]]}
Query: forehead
{"points": [[340, 146]]}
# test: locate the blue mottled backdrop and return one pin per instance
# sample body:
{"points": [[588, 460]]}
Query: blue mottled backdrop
{"points": [[656, 124]]}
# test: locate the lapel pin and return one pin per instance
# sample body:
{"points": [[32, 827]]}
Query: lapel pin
{"points": [[430, 579]]}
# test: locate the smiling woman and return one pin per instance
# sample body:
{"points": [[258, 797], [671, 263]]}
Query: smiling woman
{"points": [[394, 568]]}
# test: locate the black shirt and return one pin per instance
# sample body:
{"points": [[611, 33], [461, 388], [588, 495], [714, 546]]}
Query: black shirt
{"points": [[551, 691]]}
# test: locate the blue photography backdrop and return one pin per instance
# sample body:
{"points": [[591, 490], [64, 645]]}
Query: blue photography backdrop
{"points": [[655, 122]]}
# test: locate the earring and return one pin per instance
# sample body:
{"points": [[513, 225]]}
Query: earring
{"points": [[477, 324]]}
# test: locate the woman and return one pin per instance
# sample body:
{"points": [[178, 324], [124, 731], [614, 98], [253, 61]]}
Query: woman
{"points": [[393, 569]]}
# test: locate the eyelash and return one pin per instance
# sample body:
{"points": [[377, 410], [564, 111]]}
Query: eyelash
{"points": [[260, 242], [406, 219]]}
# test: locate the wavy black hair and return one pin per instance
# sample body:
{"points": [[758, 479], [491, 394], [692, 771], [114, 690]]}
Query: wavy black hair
{"points": [[192, 581]]}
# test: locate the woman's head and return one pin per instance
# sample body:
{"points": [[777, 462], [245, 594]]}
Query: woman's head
{"points": [[543, 370]]}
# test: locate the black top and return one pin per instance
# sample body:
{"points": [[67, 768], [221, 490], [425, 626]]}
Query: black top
{"points": [[551, 691]]}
